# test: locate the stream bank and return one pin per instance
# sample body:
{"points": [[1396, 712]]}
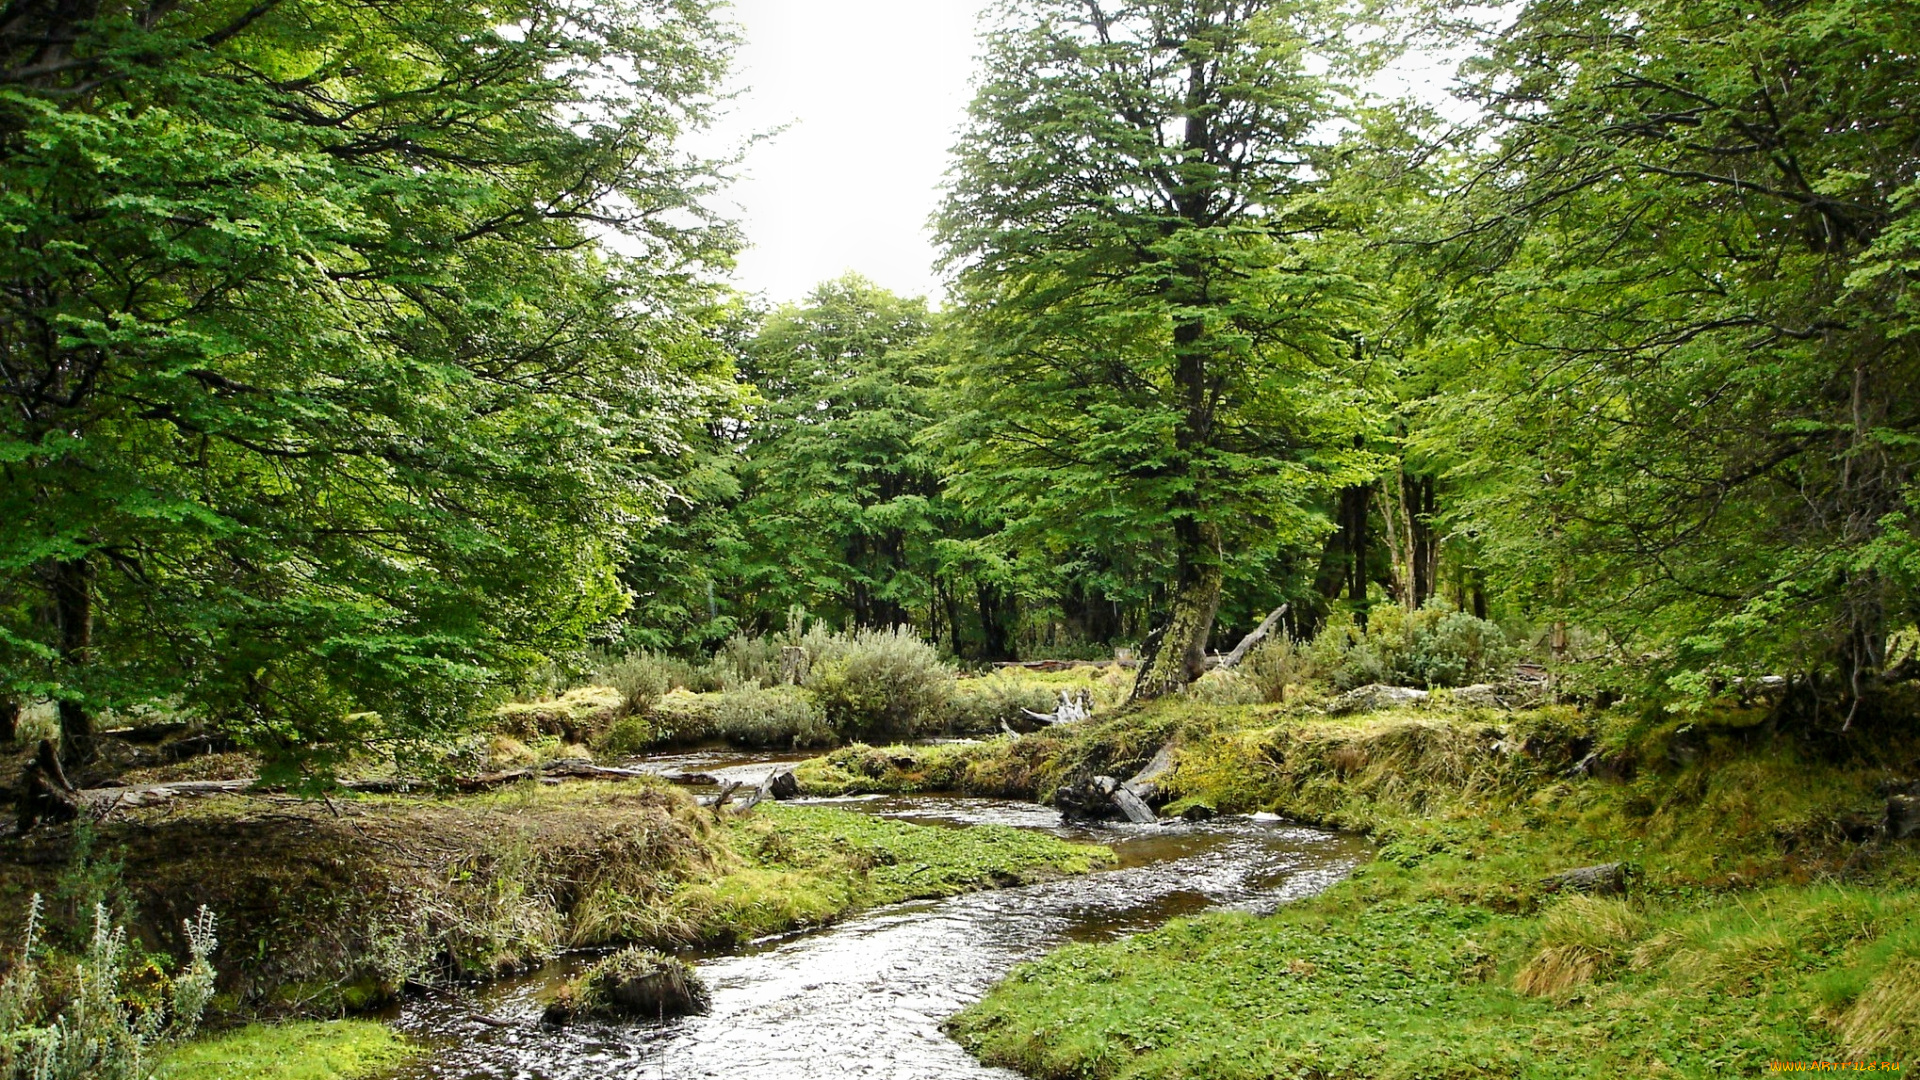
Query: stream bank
{"points": [[333, 907], [867, 997], [1760, 899]]}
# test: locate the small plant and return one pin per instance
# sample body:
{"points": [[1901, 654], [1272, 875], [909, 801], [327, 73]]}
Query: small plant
{"points": [[95, 1034]]}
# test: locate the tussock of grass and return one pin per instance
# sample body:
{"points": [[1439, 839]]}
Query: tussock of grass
{"points": [[336, 1050], [1581, 938]]}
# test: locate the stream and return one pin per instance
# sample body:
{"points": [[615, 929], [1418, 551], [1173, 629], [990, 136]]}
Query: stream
{"points": [[865, 997]]}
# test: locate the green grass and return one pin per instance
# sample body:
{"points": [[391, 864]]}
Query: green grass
{"points": [[806, 866], [329, 1050], [1756, 927]]}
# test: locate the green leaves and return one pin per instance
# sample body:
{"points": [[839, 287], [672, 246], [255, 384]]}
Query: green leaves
{"points": [[312, 356], [1681, 320], [1159, 362]]}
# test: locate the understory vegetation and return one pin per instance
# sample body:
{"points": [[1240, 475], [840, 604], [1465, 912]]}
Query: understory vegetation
{"points": [[1751, 907]]}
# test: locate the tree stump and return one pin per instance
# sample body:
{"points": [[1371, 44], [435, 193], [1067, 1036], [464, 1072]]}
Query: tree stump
{"points": [[45, 794]]}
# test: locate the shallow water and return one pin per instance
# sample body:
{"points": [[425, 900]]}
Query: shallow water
{"points": [[865, 998]]}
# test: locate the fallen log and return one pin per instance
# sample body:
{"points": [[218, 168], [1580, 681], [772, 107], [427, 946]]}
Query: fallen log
{"points": [[1147, 783], [1247, 643], [1606, 879]]}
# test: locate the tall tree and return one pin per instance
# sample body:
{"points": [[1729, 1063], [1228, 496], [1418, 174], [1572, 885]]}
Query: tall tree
{"points": [[320, 406], [843, 504], [1683, 351], [1160, 357]]}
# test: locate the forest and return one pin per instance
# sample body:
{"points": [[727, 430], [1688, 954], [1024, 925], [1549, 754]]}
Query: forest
{"points": [[398, 498]]}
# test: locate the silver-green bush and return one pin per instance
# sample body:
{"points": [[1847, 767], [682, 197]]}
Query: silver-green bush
{"points": [[95, 1034]]}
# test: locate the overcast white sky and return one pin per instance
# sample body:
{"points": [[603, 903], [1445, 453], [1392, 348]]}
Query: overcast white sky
{"points": [[873, 91]]}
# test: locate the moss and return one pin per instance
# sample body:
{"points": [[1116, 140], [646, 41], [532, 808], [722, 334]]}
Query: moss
{"points": [[1452, 954], [336, 1050], [577, 716]]}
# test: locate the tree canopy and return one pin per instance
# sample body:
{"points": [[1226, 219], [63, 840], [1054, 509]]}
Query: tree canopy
{"points": [[323, 398], [358, 359]]}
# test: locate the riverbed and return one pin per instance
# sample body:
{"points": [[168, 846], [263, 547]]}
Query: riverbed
{"points": [[865, 998]]}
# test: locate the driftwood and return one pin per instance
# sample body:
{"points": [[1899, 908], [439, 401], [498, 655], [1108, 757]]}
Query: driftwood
{"points": [[564, 769], [1147, 783], [1073, 706], [778, 786], [1247, 643], [720, 801], [689, 779], [1101, 798]]}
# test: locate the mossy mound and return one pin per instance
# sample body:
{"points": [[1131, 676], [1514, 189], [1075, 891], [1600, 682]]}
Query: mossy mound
{"points": [[632, 984]]}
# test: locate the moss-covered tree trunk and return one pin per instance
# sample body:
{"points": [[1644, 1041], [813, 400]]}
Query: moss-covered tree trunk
{"points": [[1182, 653]]}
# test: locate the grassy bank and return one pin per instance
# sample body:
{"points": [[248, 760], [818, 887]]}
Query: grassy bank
{"points": [[1759, 917], [314, 1050], [327, 908]]}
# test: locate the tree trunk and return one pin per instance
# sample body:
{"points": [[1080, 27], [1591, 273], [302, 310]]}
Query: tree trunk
{"points": [[1353, 539], [73, 608], [9, 720], [1421, 504], [1182, 653], [995, 642]]}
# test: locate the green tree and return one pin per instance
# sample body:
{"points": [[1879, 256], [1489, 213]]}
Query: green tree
{"points": [[1161, 358], [1681, 350], [323, 406], [842, 505]]}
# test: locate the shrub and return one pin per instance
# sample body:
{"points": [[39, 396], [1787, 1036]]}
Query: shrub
{"points": [[1436, 646], [877, 684], [1270, 667], [978, 706], [1224, 688], [780, 716], [745, 661], [641, 677], [96, 1034]]}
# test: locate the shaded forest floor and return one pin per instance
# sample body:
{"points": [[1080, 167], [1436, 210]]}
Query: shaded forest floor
{"points": [[1753, 909]]}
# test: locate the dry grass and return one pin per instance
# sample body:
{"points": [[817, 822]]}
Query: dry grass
{"points": [[1582, 938], [1886, 1018]]}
